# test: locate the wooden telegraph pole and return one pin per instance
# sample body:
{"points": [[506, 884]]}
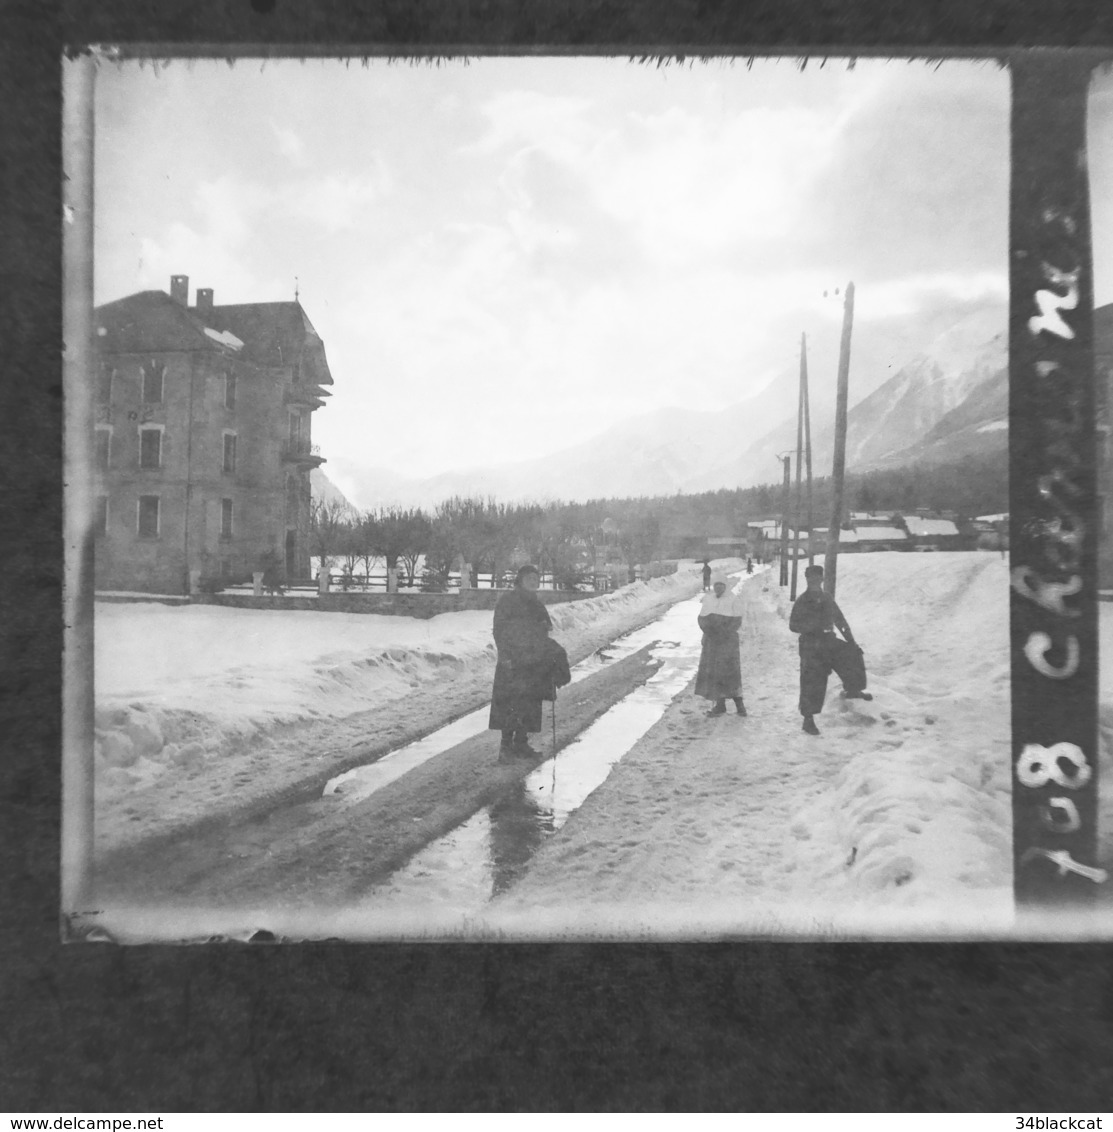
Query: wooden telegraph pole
{"points": [[799, 462], [831, 562], [785, 497], [807, 447]]}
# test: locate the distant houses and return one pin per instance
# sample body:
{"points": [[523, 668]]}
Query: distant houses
{"points": [[867, 532], [936, 534]]}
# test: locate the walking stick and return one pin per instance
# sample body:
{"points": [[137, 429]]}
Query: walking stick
{"points": [[553, 794]]}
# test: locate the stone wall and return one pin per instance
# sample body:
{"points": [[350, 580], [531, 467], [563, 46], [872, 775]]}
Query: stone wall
{"points": [[398, 605]]}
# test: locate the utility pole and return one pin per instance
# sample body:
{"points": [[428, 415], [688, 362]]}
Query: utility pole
{"points": [[837, 473], [785, 496], [808, 449], [799, 462]]}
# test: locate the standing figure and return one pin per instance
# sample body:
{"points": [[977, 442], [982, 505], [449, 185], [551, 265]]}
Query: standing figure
{"points": [[523, 674], [749, 565], [815, 616], [706, 575], [720, 675]]}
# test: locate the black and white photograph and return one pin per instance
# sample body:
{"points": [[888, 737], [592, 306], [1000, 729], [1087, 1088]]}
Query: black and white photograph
{"points": [[568, 497]]}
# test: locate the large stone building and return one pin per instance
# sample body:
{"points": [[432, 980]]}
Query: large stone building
{"points": [[203, 438]]}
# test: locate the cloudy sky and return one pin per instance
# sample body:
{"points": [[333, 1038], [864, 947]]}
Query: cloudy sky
{"points": [[506, 257]]}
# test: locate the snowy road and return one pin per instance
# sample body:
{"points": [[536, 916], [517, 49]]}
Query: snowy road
{"points": [[895, 820], [325, 850], [206, 716]]}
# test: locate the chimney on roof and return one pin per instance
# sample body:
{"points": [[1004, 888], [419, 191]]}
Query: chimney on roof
{"points": [[204, 300], [179, 289]]}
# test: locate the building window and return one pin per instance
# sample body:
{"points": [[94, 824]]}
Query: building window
{"points": [[152, 382], [104, 384], [293, 498], [148, 516], [225, 518], [100, 516], [295, 428], [226, 567], [104, 443], [229, 390], [229, 452], [150, 447]]}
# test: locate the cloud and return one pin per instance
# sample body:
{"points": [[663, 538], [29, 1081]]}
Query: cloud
{"points": [[232, 215], [234, 208], [690, 186], [290, 144], [683, 183], [919, 179], [898, 298], [206, 258], [335, 202], [556, 124]]}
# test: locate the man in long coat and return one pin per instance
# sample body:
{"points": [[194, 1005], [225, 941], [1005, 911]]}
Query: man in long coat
{"points": [[719, 677], [815, 616], [523, 675]]}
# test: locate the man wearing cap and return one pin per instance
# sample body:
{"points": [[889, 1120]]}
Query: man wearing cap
{"points": [[719, 677], [815, 616]]}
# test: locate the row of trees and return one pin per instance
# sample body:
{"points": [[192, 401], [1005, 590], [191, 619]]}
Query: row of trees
{"points": [[571, 540], [567, 540]]}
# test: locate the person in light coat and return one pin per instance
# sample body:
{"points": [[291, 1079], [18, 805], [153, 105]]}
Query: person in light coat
{"points": [[719, 677]]}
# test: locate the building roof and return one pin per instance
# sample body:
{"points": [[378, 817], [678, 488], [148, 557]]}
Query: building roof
{"points": [[274, 334], [1003, 518], [921, 528], [150, 322], [844, 535], [267, 334], [879, 534]]}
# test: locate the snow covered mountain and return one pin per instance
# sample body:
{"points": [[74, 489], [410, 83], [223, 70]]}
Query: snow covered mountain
{"points": [[979, 425], [657, 453], [325, 490], [945, 402], [896, 417]]}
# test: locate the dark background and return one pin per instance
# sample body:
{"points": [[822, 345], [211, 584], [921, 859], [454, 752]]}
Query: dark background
{"points": [[732, 1025]]}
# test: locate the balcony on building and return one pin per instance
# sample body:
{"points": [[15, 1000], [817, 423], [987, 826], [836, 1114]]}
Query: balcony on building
{"points": [[307, 394], [302, 453]]}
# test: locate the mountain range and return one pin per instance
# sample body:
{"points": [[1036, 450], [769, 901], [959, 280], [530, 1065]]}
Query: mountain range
{"points": [[946, 402]]}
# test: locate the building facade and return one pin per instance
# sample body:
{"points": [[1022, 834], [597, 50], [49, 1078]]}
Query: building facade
{"points": [[203, 439]]}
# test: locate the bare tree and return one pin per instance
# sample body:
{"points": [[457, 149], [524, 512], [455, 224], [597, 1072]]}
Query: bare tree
{"points": [[402, 534], [328, 522]]}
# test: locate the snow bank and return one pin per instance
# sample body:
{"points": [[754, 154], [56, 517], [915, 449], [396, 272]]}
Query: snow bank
{"points": [[178, 687], [921, 811]]}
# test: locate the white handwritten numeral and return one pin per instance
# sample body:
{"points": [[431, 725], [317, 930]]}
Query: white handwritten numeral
{"points": [[1051, 304], [1037, 766], [1070, 824], [1037, 646], [1050, 595]]}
